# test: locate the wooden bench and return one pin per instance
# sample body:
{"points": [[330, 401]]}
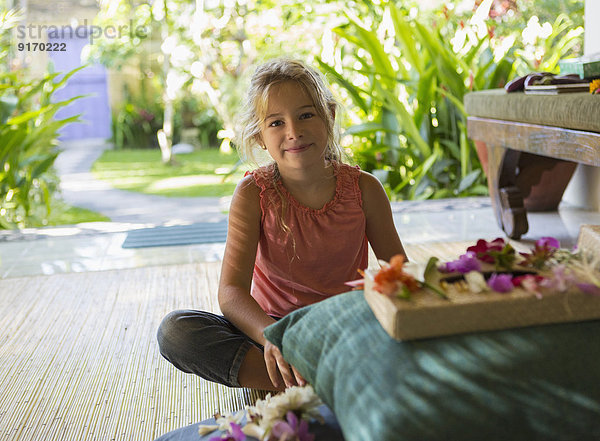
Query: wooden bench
{"points": [[530, 146]]}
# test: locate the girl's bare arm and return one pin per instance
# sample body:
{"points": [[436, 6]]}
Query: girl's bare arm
{"points": [[235, 300], [236, 303], [381, 230]]}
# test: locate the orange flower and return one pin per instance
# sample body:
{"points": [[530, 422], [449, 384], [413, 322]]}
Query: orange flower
{"points": [[595, 86], [392, 280]]}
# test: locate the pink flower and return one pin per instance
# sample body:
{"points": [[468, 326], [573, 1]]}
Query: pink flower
{"points": [[550, 242], [497, 252], [560, 280], [292, 429], [482, 249], [544, 249], [530, 283], [235, 434], [500, 282]]}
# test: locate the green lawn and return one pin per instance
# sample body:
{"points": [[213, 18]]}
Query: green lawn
{"points": [[192, 175], [63, 214]]}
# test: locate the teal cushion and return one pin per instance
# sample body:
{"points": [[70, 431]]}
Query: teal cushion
{"points": [[536, 383]]}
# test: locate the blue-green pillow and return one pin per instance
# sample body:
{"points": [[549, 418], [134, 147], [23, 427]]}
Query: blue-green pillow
{"points": [[536, 383]]}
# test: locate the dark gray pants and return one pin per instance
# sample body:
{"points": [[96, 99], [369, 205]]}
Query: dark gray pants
{"points": [[205, 344]]}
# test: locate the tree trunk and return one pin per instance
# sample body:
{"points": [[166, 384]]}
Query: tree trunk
{"points": [[165, 135]]}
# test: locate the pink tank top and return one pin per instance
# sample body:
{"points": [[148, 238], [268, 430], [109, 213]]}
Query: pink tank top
{"points": [[327, 248]]}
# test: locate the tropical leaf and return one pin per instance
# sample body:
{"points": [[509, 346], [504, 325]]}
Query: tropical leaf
{"points": [[352, 90], [366, 129], [404, 33], [468, 180]]}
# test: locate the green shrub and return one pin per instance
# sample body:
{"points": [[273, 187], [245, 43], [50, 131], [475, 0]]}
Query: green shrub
{"points": [[407, 80], [28, 139]]}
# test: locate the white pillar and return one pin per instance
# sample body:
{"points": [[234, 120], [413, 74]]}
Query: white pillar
{"points": [[584, 188]]}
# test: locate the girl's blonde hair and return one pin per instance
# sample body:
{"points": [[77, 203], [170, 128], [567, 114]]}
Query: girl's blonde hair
{"points": [[254, 111]]}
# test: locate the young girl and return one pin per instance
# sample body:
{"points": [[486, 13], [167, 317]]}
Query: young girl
{"points": [[298, 229]]}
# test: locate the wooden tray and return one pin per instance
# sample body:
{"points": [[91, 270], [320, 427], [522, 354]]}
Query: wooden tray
{"points": [[426, 315]]}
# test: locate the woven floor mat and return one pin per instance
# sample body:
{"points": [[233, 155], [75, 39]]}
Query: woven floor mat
{"points": [[198, 233], [79, 359]]}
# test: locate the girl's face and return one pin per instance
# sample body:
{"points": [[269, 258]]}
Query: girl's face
{"points": [[294, 135]]}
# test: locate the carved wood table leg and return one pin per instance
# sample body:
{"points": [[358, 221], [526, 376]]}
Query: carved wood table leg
{"points": [[507, 200]]}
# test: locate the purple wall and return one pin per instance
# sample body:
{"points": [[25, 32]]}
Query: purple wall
{"points": [[94, 109]]}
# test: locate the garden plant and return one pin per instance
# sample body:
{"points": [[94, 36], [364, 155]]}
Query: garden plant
{"points": [[28, 136]]}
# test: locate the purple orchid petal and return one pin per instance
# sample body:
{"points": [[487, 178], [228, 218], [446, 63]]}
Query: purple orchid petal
{"points": [[281, 428], [293, 428], [589, 288], [236, 432], [303, 433], [466, 263], [500, 282], [550, 242], [292, 419]]}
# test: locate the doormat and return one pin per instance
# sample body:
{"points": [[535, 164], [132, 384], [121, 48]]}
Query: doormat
{"points": [[198, 233]]}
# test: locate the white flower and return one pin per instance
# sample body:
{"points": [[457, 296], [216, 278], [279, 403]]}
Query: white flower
{"points": [[223, 422], [476, 281], [301, 400]]}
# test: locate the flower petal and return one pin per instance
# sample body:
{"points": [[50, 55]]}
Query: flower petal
{"points": [[500, 282], [360, 283], [254, 430], [589, 288], [476, 281], [236, 432], [281, 428], [205, 429], [551, 242], [464, 264]]}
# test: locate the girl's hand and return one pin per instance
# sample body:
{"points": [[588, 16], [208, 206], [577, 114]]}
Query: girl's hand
{"points": [[278, 368]]}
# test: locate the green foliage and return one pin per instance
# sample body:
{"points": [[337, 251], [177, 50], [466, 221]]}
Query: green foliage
{"points": [[407, 82], [196, 113], [540, 32], [563, 40], [28, 142], [64, 214], [28, 147], [136, 121]]}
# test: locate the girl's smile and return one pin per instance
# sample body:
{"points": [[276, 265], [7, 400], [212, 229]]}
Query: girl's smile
{"points": [[298, 149]]}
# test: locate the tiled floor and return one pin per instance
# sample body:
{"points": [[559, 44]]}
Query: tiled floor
{"points": [[98, 247]]}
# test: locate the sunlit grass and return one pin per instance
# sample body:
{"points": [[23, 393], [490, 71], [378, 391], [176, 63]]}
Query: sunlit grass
{"points": [[193, 174], [62, 213]]}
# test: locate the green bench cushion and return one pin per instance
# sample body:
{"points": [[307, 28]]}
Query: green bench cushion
{"points": [[579, 111]]}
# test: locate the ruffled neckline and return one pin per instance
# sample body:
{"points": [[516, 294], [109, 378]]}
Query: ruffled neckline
{"points": [[328, 205]]}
